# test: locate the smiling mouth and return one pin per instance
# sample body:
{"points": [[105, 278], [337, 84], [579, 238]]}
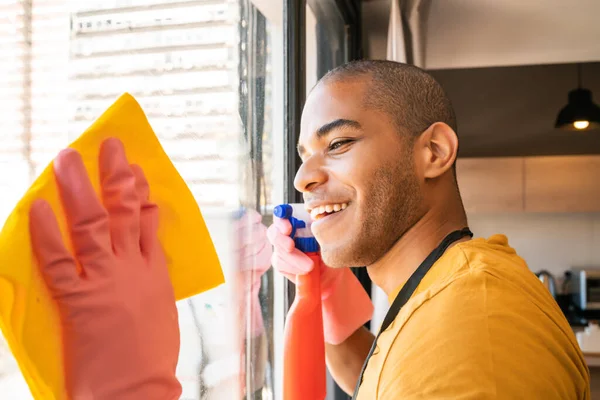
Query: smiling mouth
{"points": [[325, 210]]}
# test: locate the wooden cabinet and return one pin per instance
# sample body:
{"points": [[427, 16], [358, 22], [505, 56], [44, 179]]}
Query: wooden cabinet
{"points": [[530, 184], [491, 184], [562, 184]]}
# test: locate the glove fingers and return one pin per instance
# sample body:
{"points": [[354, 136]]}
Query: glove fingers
{"points": [[88, 220], [252, 236], [294, 263], [282, 242], [120, 197], [283, 225], [149, 214], [57, 265], [255, 259]]}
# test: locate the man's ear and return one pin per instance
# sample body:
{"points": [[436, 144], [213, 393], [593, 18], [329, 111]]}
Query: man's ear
{"points": [[437, 148]]}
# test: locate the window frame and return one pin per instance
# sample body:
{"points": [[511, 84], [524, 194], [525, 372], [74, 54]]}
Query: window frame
{"points": [[295, 96]]}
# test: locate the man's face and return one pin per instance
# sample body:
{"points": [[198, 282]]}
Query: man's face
{"points": [[355, 161]]}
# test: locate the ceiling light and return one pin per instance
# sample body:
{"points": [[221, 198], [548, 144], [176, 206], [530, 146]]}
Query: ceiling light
{"points": [[580, 114]]}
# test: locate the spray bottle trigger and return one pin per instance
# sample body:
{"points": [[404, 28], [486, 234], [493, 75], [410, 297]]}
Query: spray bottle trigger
{"points": [[296, 223]]}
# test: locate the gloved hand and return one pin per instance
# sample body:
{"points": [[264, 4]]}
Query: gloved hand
{"points": [[115, 300], [254, 259], [346, 305]]}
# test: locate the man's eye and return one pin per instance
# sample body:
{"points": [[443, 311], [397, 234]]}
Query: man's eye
{"points": [[338, 144]]}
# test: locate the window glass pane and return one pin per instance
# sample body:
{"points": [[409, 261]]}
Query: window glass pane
{"points": [[209, 75]]}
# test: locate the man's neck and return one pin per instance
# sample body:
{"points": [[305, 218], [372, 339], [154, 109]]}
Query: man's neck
{"points": [[398, 264]]}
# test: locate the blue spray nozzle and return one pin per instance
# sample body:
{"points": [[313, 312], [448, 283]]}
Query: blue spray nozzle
{"points": [[283, 211], [304, 244], [296, 224]]}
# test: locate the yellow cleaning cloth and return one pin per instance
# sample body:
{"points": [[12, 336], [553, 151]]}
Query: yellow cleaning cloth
{"points": [[28, 317]]}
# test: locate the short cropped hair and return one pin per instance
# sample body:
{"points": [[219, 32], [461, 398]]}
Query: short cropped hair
{"points": [[411, 96]]}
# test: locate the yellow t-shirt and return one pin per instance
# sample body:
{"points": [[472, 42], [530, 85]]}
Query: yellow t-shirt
{"points": [[479, 326]]}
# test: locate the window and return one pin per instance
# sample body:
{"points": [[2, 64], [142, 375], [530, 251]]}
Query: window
{"points": [[209, 75]]}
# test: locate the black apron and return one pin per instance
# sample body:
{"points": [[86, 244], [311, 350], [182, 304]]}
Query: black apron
{"points": [[409, 288]]}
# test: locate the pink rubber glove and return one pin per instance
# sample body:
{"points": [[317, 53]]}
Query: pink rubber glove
{"points": [[119, 319], [254, 255], [346, 304]]}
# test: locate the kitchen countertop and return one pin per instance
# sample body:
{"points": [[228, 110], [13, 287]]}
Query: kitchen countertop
{"points": [[592, 358]]}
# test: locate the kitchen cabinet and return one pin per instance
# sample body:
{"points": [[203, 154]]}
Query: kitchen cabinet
{"points": [[530, 184], [491, 184], [562, 184]]}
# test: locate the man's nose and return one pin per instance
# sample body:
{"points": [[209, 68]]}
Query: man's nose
{"points": [[309, 175]]}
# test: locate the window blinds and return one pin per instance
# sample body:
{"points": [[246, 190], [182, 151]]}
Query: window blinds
{"points": [[66, 61]]}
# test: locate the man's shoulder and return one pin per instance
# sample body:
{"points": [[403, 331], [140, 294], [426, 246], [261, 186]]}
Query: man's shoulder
{"points": [[492, 260], [492, 253], [485, 311], [491, 276], [479, 262]]}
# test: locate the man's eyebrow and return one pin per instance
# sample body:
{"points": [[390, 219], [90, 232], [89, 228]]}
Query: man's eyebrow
{"points": [[326, 129], [336, 124]]}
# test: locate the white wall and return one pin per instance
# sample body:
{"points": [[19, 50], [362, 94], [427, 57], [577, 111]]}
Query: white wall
{"points": [[554, 242], [483, 33], [486, 33]]}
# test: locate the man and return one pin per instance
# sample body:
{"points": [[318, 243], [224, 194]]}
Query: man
{"points": [[378, 144], [468, 319]]}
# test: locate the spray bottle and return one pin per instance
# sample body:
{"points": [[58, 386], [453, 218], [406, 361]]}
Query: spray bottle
{"points": [[304, 369]]}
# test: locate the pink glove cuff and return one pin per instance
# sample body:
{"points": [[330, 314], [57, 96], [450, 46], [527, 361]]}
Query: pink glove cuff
{"points": [[346, 307]]}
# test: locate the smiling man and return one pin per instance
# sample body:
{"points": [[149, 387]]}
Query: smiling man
{"points": [[468, 319]]}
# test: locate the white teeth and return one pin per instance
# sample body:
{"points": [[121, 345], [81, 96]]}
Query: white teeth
{"points": [[329, 208]]}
